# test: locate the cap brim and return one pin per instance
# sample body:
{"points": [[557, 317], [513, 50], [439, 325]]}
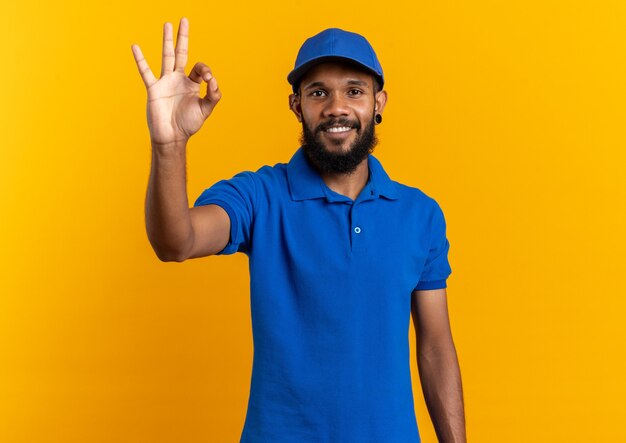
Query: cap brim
{"points": [[296, 75]]}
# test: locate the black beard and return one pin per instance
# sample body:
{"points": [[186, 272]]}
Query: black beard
{"points": [[337, 163]]}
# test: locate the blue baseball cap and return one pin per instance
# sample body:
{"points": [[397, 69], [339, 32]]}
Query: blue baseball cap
{"points": [[335, 44]]}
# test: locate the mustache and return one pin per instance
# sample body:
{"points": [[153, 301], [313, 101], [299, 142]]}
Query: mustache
{"points": [[338, 122]]}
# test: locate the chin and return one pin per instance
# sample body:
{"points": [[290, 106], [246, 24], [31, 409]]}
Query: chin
{"points": [[338, 149], [339, 146]]}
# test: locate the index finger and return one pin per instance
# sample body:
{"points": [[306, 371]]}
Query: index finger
{"points": [[146, 74]]}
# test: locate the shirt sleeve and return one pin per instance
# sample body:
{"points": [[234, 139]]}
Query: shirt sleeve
{"points": [[437, 268], [237, 196]]}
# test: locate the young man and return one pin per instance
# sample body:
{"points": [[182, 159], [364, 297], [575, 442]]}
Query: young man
{"points": [[340, 255]]}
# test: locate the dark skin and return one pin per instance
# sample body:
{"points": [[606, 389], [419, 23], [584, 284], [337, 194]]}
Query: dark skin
{"points": [[438, 364], [337, 90], [177, 233], [331, 90]]}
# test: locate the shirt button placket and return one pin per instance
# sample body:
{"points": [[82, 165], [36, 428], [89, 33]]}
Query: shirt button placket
{"points": [[356, 229]]}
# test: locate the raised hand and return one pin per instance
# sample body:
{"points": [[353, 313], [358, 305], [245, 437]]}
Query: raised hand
{"points": [[175, 110]]}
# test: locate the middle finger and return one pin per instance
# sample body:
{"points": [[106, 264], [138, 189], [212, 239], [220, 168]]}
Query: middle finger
{"points": [[182, 43]]}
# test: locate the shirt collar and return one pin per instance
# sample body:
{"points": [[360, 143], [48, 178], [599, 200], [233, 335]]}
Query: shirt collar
{"points": [[306, 183]]}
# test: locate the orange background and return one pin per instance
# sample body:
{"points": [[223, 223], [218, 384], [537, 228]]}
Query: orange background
{"points": [[510, 114]]}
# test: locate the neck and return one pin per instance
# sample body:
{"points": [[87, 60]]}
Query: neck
{"points": [[351, 184]]}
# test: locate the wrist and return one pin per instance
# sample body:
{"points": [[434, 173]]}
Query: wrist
{"points": [[176, 145]]}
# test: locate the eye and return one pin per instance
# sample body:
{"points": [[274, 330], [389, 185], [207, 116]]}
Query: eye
{"points": [[317, 93], [355, 92]]}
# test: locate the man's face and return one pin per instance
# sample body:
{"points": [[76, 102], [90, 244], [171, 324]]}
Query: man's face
{"points": [[336, 106]]}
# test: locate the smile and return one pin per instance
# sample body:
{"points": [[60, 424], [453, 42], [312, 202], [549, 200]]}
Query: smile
{"points": [[339, 129]]}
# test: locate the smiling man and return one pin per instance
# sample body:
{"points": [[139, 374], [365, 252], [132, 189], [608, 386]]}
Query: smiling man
{"points": [[340, 255], [337, 138]]}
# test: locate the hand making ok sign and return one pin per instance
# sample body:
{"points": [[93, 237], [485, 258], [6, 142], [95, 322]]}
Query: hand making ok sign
{"points": [[175, 110]]}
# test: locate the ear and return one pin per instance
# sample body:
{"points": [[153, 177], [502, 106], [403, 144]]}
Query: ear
{"points": [[380, 101], [294, 105]]}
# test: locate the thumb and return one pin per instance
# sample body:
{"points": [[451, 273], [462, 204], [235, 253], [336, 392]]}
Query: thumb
{"points": [[213, 95]]}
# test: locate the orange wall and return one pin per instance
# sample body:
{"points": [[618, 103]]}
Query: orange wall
{"points": [[510, 114]]}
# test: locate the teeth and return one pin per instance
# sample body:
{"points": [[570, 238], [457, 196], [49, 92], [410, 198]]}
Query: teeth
{"points": [[339, 129]]}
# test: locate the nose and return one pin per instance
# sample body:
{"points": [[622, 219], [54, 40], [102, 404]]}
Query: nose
{"points": [[336, 105]]}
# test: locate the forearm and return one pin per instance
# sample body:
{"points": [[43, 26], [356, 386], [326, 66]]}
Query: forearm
{"points": [[168, 222], [440, 377]]}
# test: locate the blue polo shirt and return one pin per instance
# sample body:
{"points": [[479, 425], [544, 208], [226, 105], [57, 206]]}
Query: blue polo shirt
{"points": [[331, 281]]}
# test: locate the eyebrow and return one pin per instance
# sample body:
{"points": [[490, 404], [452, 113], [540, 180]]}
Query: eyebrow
{"points": [[350, 82]]}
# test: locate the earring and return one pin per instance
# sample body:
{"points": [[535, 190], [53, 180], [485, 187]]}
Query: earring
{"points": [[378, 119]]}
